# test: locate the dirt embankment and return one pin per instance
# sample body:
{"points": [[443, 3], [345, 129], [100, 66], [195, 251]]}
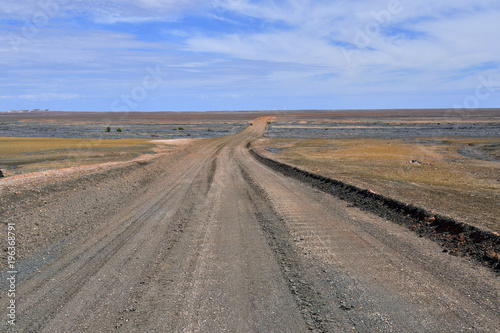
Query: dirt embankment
{"points": [[456, 238]]}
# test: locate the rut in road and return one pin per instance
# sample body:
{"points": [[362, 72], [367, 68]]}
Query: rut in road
{"points": [[115, 256], [221, 242]]}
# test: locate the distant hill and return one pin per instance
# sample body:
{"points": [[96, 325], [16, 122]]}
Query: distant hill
{"points": [[29, 111]]}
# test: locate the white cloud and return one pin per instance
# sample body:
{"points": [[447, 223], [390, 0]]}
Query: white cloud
{"points": [[455, 35], [102, 11], [285, 47]]}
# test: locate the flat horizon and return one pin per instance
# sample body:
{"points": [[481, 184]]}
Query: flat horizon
{"points": [[249, 55]]}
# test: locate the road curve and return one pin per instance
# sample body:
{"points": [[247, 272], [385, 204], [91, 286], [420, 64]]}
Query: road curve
{"points": [[221, 243]]}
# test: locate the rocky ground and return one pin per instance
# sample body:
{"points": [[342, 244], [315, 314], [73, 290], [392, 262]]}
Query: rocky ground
{"points": [[136, 131], [386, 130]]}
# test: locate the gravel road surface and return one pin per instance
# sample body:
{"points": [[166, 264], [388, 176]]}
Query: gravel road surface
{"points": [[218, 242]]}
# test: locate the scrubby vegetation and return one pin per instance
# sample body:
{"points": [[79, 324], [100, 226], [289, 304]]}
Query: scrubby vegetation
{"points": [[34, 154]]}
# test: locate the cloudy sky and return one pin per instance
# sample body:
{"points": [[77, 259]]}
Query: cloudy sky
{"points": [[146, 55]]}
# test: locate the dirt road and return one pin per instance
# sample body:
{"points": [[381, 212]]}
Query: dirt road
{"points": [[220, 242]]}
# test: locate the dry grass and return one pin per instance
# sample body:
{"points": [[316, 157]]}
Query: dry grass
{"points": [[447, 182], [35, 154]]}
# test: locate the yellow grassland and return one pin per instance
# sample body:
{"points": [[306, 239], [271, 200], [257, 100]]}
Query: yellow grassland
{"points": [[35, 154]]}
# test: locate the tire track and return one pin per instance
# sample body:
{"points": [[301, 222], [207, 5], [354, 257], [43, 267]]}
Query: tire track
{"points": [[369, 265], [141, 299], [80, 267], [456, 238], [315, 311], [220, 242], [218, 276]]}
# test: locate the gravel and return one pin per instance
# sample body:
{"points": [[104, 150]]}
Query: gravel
{"points": [[382, 130], [129, 131]]}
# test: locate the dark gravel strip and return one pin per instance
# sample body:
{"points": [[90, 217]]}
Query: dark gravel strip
{"points": [[382, 130], [456, 238]]}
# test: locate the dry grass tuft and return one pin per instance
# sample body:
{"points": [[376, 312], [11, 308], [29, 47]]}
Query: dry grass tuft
{"points": [[35, 154]]}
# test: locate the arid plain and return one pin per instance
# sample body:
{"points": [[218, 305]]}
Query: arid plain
{"points": [[447, 162], [174, 224]]}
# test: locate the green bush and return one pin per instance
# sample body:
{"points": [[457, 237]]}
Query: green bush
{"points": [[119, 130], [181, 128], [108, 129]]}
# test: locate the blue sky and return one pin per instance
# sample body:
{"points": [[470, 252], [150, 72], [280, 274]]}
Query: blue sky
{"points": [[152, 55]]}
